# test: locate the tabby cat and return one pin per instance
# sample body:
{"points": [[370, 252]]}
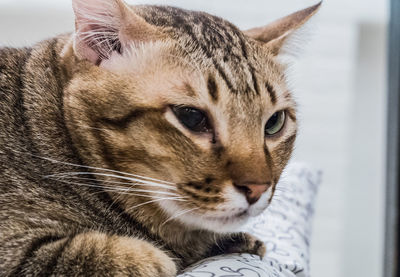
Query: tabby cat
{"points": [[139, 144]]}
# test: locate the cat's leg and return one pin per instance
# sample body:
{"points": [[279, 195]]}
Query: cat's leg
{"points": [[239, 243], [98, 254]]}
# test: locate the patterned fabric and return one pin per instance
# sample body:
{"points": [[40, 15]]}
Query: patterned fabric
{"points": [[285, 228]]}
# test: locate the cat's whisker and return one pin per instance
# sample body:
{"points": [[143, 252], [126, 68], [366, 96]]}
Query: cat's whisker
{"points": [[122, 188], [149, 202], [279, 193], [216, 241], [125, 191], [99, 168], [277, 200], [93, 179], [179, 214], [106, 170], [283, 189], [133, 179]]}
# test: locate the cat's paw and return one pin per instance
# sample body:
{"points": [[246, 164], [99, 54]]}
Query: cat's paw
{"points": [[244, 243], [142, 259], [99, 254]]}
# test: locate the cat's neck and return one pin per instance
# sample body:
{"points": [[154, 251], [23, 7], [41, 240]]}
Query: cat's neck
{"points": [[43, 78]]}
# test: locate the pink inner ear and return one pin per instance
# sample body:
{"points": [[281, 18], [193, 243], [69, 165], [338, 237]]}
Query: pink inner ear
{"points": [[86, 53], [96, 42], [97, 29], [104, 27], [102, 40]]}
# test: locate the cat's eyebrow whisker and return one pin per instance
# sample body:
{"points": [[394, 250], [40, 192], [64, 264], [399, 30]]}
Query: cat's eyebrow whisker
{"points": [[134, 179], [179, 214], [177, 198]]}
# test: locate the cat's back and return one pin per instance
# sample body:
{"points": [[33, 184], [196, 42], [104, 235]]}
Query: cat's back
{"points": [[12, 62]]}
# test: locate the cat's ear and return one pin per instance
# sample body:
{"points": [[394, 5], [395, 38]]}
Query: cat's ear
{"points": [[105, 26], [277, 35]]}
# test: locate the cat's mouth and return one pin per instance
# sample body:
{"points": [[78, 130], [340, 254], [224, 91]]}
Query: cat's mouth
{"points": [[225, 218]]}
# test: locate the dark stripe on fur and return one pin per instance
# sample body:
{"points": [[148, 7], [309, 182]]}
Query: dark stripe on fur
{"points": [[123, 122], [292, 115], [254, 78], [30, 253], [189, 89], [268, 157], [20, 108], [224, 77], [212, 88], [271, 91], [52, 264]]}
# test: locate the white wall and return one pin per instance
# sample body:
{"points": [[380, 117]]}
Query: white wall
{"points": [[339, 82]]}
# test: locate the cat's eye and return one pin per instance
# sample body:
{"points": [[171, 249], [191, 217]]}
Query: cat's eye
{"points": [[275, 123], [192, 118]]}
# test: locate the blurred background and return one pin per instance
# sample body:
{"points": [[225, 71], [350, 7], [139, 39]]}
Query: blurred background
{"points": [[339, 81]]}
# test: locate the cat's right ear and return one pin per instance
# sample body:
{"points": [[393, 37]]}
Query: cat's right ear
{"points": [[278, 36], [105, 26]]}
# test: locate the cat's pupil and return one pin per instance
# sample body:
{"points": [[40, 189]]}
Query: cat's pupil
{"points": [[192, 118], [272, 121]]}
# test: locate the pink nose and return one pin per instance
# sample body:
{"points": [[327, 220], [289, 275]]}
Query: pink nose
{"points": [[252, 192]]}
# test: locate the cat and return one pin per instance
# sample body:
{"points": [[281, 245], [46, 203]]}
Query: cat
{"points": [[138, 145]]}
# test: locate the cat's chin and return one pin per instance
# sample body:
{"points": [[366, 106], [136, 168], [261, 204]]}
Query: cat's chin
{"points": [[217, 223], [225, 224], [231, 223]]}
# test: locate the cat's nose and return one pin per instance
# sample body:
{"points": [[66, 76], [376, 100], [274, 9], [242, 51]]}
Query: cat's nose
{"points": [[252, 192]]}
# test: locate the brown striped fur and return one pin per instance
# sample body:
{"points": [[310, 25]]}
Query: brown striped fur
{"points": [[85, 124]]}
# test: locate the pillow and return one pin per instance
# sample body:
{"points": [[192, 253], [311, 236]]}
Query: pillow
{"points": [[285, 228]]}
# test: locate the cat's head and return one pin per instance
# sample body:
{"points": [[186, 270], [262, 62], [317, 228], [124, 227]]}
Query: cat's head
{"points": [[196, 112]]}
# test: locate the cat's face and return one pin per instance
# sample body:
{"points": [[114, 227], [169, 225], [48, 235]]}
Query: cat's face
{"points": [[203, 113]]}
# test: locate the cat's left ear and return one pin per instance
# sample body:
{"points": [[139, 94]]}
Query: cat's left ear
{"points": [[277, 35], [106, 26]]}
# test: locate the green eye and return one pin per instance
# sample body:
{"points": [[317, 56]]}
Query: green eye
{"points": [[275, 123]]}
